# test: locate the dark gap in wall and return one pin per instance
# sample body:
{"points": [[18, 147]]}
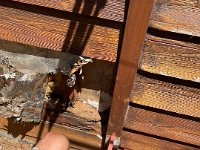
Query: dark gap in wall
{"points": [[160, 111], [160, 138], [169, 79], [61, 14], [174, 36]]}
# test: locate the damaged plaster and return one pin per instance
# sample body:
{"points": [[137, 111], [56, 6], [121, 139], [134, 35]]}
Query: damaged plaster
{"points": [[22, 81]]}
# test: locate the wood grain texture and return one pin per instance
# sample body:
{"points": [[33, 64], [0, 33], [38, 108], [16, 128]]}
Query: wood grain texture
{"points": [[78, 139], [137, 21], [166, 96], [171, 58], [177, 16], [78, 35], [163, 125], [106, 9], [189, 3], [167, 14], [140, 142], [72, 121], [59, 34]]}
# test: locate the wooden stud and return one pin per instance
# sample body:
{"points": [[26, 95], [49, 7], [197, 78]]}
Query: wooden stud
{"points": [[139, 13]]}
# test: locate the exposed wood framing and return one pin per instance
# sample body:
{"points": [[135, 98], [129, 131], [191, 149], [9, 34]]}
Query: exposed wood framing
{"points": [[34, 23], [171, 58], [78, 139], [176, 16], [60, 32], [139, 13], [134, 141], [106, 9], [19, 97], [163, 125], [166, 96]]}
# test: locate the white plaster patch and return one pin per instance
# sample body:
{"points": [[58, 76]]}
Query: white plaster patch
{"points": [[92, 103], [9, 75], [25, 78], [32, 65]]}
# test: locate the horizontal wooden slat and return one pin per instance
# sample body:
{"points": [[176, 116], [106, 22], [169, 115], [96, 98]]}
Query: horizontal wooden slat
{"points": [[171, 58], [59, 34], [166, 96], [7, 142], [163, 125], [180, 17], [38, 27], [106, 9], [31, 131], [168, 15], [140, 142], [189, 3]]}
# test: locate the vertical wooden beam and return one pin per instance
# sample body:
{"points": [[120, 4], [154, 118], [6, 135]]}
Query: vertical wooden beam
{"points": [[138, 17]]}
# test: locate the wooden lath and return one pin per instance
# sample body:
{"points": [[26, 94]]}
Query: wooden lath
{"points": [[167, 96], [105, 23]]}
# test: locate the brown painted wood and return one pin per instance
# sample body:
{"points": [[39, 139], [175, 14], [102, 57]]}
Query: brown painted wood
{"points": [[171, 58], [163, 125], [139, 13], [64, 32], [141, 142], [106, 9], [166, 96], [78, 139], [180, 17]]}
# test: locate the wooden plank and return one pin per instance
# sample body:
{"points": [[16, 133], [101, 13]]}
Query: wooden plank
{"points": [[30, 132], [72, 121], [163, 125], [180, 17], [171, 58], [136, 141], [106, 9], [167, 14], [166, 96], [189, 3], [139, 13], [60, 34], [7, 142], [38, 26]]}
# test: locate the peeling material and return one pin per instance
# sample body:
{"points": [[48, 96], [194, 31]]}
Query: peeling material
{"points": [[9, 76], [76, 67], [24, 84], [19, 98]]}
